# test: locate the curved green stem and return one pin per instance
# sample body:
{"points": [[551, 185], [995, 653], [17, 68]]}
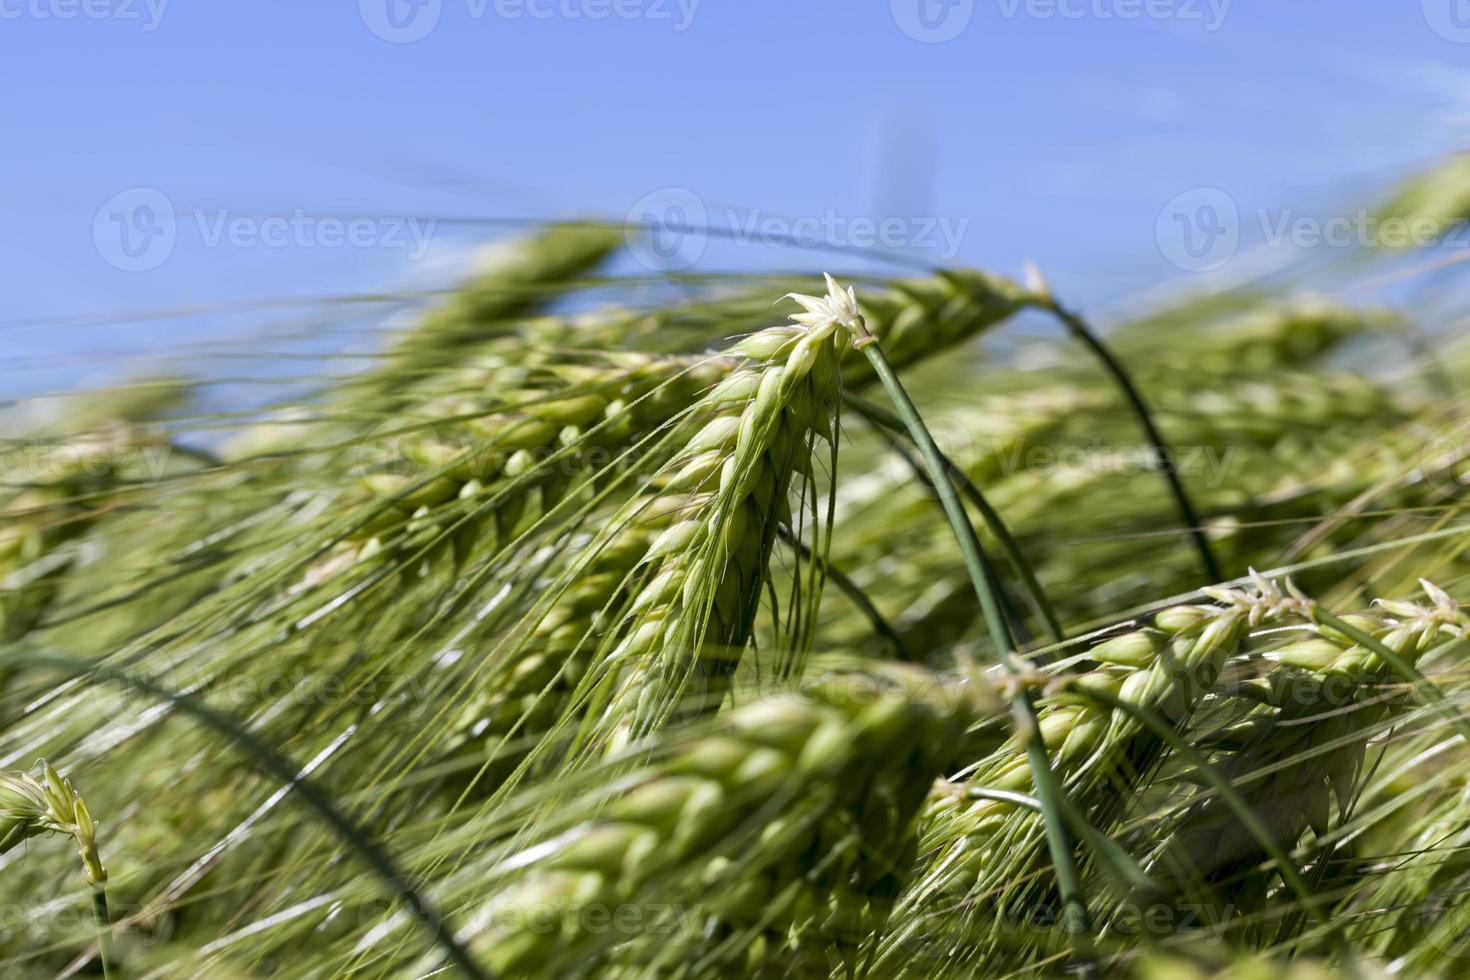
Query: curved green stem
{"points": [[1049, 791], [1162, 457], [1036, 596], [289, 774]]}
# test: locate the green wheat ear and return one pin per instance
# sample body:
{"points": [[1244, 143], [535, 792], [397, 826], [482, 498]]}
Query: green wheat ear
{"points": [[1327, 700], [31, 805], [784, 821], [1439, 197]]}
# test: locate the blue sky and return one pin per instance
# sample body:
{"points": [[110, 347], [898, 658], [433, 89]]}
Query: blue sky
{"points": [[1050, 130]]}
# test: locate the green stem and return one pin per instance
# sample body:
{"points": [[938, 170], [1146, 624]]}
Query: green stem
{"points": [[1426, 688], [1042, 606], [1162, 457], [1023, 709], [104, 930]]}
